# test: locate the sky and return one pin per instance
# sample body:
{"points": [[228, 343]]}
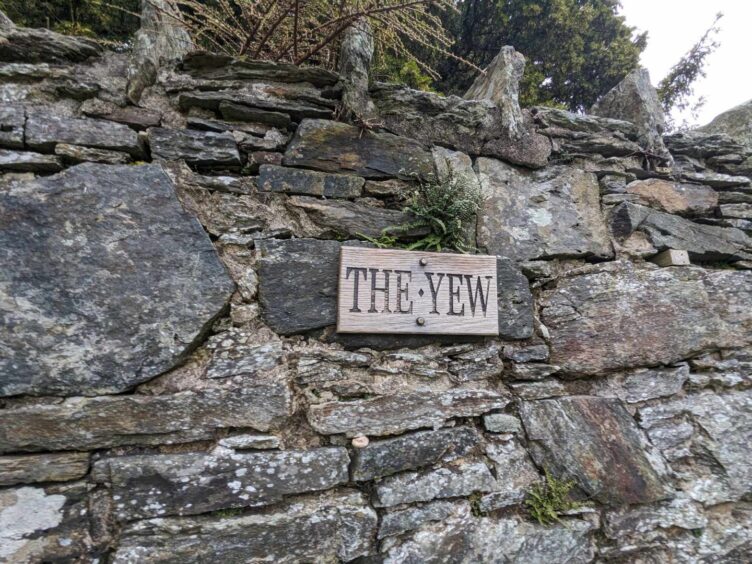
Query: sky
{"points": [[673, 26]]}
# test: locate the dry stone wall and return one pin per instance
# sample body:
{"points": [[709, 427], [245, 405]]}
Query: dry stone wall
{"points": [[173, 389]]}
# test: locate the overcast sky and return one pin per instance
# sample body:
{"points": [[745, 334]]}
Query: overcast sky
{"points": [[673, 26]]}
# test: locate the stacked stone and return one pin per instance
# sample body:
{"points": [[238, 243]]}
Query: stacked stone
{"points": [[173, 387]]}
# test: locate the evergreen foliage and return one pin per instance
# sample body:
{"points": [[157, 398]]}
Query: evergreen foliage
{"points": [[547, 500]]}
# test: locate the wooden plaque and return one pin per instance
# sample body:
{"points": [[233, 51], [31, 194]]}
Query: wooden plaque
{"points": [[388, 291]]}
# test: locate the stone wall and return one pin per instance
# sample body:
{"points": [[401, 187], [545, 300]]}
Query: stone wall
{"points": [[173, 389]]}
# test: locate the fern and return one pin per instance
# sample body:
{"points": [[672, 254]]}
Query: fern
{"points": [[547, 500]]}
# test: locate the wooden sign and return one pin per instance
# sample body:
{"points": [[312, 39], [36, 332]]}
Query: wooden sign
{"points": [[387, 291]]}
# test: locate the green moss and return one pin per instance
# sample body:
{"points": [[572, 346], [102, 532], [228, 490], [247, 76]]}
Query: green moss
{"points": [[547, 500]]}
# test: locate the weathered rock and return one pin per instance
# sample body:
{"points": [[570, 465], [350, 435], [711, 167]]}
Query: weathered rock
{"points": [[716, 179], [526, 353], [299, 102], [88, 423], [401, 521], [239, 112], [701, 144], [391, 188], [389, 456], [49, 524], [623, 317], [39, 45], [214, 66], [478, 364], [187, 484], [724, 423], [665, 231], [501, 423], [339, 219], [12, 120], [500, 83], [31, 468], [250, 442], [161, 39], [455, 481], [464, 538], [26, 161], [246, 361], [680, 512], [132, 116], [544, 214], [671, 197], [202, 149], [533, 371], [337, 147], [644, 384], [299, 181], [389, 415], [739, 211], [272, 140], [75, 155], [634, 99], [475, 127], [93, 266], [356, 53], [736, 123], [326, 528], [515, 475], [43, 132], [606, 453]]}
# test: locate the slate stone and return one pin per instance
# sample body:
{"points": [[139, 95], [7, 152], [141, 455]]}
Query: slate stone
{"points": [[623, 317], [703, 144], [239, 112], [715, 179], [89, 423], [128, 279], [515, 475], [27, 161], [734, 123], [298, 181], [475, 127], [676, 198], [665, 231], [636, 521], [409, 487], [337, 147], [532, 371], [401, 521], [344, 219], [31, 468], [12, 120], [635, 99], [132, 116], [250, 442], [465, 538], [40, 45], [723, 424], [501, 423], [298, 290], [644, 384], [532, 215], [43, 132], [389, 415], [216, 66], [606, 453], [75, 155], [337, 527], [389, 456], [149, 485], [272, 140], [739, 211], [297, 102], [199, 148], [246, 361]]}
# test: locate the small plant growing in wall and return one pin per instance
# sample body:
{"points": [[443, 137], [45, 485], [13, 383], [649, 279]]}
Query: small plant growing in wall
{"points": [[445, 207], [547, 500]]}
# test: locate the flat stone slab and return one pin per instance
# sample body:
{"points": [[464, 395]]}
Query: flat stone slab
{"points": [[621, 317], [597, 443], [545, 214], [338, 147], [31, 468], [389, 415], [199, 148], [89, 423], [110, 284], [44, 131], [187, 484], [12, 120], [28, 161], [308, 182], [335, 527]]}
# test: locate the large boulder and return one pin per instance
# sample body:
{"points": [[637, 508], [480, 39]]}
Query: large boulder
{"points": [[736, 123], [110, 282], [634, 99]]}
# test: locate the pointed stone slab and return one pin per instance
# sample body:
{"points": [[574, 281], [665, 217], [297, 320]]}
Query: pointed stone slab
{"points": [[107, 281]]}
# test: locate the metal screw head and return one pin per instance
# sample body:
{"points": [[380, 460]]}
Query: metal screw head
{"points": [[423, 261], [420, 321]]}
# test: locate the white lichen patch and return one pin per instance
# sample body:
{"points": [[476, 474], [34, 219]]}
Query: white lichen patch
{"points": [[23, 512]]}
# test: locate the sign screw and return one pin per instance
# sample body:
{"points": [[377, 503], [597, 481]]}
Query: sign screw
{"points": [[420, 321], [423, 261]]}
